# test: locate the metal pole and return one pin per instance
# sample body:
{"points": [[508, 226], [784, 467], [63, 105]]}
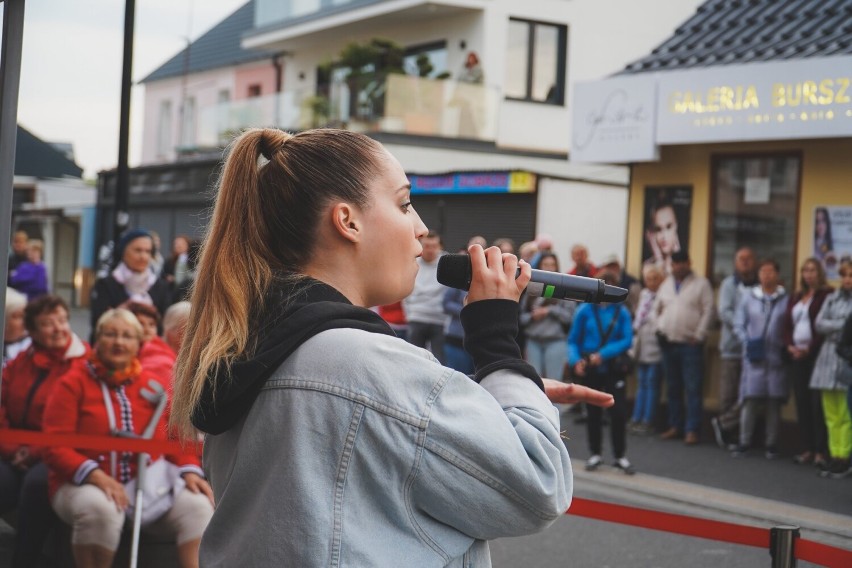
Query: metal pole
{"points": [[122, 181], [10, 75], [782, 546]]}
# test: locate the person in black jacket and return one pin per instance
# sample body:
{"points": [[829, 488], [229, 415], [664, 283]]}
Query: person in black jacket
{"points": [[844, 349], [131, 279]]}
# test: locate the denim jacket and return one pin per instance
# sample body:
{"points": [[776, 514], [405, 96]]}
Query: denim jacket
{"points": [[389, 459]]}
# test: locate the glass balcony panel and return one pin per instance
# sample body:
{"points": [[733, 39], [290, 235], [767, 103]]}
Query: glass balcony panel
{"points": [[399, 104], [443, 108]]}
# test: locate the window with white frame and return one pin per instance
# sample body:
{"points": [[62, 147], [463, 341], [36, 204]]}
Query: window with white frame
{"points": [[535, 62], [164, 129], [187, 135]]}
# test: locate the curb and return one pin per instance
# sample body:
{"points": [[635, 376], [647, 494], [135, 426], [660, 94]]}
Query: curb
{"points": [[752, 510]]}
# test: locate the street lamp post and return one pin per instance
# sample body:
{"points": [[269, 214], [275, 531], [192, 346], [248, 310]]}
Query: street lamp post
{"points": [[10, 76], [122, 182]]}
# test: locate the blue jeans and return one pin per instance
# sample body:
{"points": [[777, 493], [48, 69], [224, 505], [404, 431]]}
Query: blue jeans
{"points": [[683, 364], [647, 393], [547, 357], [458, 359]]}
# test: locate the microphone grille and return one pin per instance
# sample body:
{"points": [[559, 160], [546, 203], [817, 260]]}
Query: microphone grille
{"points": [[454, 271]]}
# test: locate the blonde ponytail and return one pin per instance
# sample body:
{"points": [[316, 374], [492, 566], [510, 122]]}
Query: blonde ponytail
{"points": [[271, 193]]}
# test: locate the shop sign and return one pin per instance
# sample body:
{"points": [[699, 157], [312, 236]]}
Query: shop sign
{"points": [[792, 99], [473, 182], [613, 120]]}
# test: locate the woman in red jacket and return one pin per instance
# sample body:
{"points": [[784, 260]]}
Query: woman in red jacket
{"points": [[155, 354], [27, 381], [87, 487]]}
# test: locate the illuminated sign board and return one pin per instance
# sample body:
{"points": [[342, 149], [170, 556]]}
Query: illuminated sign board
{"points": [[777, 100], [798, 98], [473, 182]]}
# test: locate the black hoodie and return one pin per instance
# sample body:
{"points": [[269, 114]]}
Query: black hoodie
{"points": [[296, 311]]}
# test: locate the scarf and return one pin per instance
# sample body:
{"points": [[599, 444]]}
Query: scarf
{"points": [[114, 377], [136, 284]]}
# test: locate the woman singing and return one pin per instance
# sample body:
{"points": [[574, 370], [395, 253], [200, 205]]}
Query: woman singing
{"points": [[330, 440]]}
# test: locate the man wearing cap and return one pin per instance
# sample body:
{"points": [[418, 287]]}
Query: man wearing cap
{"points": [[684, 308], [626, 281]]}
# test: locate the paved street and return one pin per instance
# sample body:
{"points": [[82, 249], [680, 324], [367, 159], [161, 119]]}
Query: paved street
{"points": [[701, 481]]}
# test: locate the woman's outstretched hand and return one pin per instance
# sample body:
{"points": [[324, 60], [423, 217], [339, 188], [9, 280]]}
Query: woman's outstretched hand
{"points": [[493, 275], [570, 393]]}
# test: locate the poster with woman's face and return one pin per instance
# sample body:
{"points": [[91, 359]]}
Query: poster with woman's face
{"points": [[832, 237], [668, 211]]}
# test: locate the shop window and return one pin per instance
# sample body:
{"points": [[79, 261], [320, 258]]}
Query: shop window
{"points": [[187, 135], [21, 196], [755, 204], [535, 62]]}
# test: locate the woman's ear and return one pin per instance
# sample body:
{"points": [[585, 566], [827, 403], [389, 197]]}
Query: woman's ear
{"points": [[346, 221]]}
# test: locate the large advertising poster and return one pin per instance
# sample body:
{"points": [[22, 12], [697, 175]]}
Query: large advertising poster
{"points": [[668, 212], [832, 237]]}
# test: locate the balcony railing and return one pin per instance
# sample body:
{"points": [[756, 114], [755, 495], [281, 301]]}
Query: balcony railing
{"points": [[399, 103]]}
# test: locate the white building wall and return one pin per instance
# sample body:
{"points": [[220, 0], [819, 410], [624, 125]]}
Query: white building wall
{"points": [[204, 87], [582, 213]]}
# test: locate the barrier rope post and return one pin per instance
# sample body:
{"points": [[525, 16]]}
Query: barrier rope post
{"points": [[782, 545]]}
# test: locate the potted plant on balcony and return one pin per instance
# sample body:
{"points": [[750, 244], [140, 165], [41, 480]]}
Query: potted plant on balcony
{"points": [[369, 65]]}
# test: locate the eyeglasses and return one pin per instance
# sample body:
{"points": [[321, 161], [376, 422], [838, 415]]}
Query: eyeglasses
{"points": [[115, 336]]}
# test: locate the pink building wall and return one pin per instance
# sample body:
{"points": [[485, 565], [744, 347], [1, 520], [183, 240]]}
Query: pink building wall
{"points": [[263, 75]]}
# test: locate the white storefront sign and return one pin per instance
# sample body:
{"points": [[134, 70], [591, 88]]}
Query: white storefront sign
{"points": [[613, 120]]}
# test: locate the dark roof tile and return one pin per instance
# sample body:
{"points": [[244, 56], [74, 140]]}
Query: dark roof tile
{"points": [[37, 158], [221, 46], [740, 31]]}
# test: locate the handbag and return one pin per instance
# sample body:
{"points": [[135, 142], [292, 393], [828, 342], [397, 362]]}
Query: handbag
{"points": [[621, 364], [843, 374], [162, 483], [755, 347]]}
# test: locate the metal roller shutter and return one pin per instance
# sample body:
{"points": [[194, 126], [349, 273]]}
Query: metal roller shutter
{"points": [[459, 217]]}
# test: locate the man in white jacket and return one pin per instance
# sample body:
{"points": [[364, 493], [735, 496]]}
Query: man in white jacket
{"points": [[684, 308], [424, 307]]}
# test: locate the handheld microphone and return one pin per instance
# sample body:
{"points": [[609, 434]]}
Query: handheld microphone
{"points": [[454, 270]]}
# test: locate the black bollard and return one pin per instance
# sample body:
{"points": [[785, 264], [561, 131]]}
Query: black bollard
{"points": [[782, 546]]}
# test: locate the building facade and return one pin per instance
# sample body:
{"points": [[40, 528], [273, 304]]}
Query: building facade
{"points": [[285, 64], [742, 122], [52, 203]]}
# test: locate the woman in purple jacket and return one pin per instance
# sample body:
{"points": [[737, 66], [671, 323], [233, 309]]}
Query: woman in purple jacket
{"points": [[30, 276]]}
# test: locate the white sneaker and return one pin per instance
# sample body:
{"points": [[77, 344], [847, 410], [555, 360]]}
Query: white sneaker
{"points": [[624, 465], [593, 462]]}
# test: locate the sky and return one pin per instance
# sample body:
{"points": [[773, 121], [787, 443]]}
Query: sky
{"points": [[71, 68]]}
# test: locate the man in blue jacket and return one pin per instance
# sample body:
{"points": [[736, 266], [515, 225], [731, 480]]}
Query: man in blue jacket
{"points": [[597, 347]]}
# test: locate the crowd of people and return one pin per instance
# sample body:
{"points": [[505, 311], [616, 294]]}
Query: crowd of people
{"points": [[59, 383], [773, 342]]}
